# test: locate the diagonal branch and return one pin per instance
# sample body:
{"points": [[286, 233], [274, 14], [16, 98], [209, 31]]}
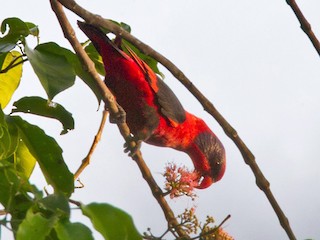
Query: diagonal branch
{"points": [[249, 158], [112, 106], [304, 24]]}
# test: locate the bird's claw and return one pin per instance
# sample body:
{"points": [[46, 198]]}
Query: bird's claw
{"points": [[132, 149], [119, 117]]}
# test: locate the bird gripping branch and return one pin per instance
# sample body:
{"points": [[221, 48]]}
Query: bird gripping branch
{"points": [[153, 112]]}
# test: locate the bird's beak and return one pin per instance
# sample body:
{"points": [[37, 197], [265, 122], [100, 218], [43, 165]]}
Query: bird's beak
{"points": [[205, 182]]}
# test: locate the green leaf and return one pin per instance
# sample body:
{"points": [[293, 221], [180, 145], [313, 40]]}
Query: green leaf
{"points": [[96, 58], [49, 211], [111, 222], [20, 206], [54, 71], [16, 25], [55, 204], [41, 107], [125, 26], [72, 231], [47, 153], [24, 160], [17, 30], [14, 193], [10, 80], [9, 184], [2, 58], [5, 140], [33, 29], [12, 145], [35, 226], [81, 73], [8, 138]]}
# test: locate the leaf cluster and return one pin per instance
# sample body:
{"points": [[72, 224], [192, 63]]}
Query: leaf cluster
{"points": [[27, 211]]}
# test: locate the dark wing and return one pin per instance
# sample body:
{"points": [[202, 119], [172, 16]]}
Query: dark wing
{"points": [[169, 104]]}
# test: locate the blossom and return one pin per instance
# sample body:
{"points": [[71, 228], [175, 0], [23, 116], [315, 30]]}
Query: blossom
{"points": [[180, 181]]}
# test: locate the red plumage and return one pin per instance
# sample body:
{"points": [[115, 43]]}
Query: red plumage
{"points": [[153, 112]]}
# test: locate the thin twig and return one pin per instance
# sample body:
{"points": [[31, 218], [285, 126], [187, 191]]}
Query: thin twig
{"points": [[247, 155], [77, 203], [304, 24], [97, 137], [81, 185], [112, 107]]}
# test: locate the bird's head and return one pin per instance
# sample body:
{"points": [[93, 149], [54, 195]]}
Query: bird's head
{"points": [[209, 158]]}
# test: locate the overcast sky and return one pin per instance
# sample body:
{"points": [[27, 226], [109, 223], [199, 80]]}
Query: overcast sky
{"points": [[251, 59]]}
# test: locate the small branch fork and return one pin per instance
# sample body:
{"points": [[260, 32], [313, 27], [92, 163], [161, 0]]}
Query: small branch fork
{"points": [[248, 157], [110, 102], [304, 24]]}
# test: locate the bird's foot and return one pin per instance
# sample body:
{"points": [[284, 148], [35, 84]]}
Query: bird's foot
{"points": [[119, 117], [132, 145]]}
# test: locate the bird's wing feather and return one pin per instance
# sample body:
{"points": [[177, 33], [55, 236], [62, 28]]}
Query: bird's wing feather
{"points": [[169, 104]]}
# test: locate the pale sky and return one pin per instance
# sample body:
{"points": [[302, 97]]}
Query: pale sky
{"points": [[252, 60]]}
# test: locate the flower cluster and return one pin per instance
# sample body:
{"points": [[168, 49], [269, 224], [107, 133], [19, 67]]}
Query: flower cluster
{"points": [[189, 221], [208, 230], [180, 181]]}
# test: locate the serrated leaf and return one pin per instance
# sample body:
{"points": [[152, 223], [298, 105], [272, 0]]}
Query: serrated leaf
{"points": [[48, 154], [113, 223], [10, 80], [35, 226], [54, 71], [41, 107], [72, 231]]}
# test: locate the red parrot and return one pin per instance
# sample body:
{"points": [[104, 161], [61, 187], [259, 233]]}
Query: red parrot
{"points": [[153, 112]]}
